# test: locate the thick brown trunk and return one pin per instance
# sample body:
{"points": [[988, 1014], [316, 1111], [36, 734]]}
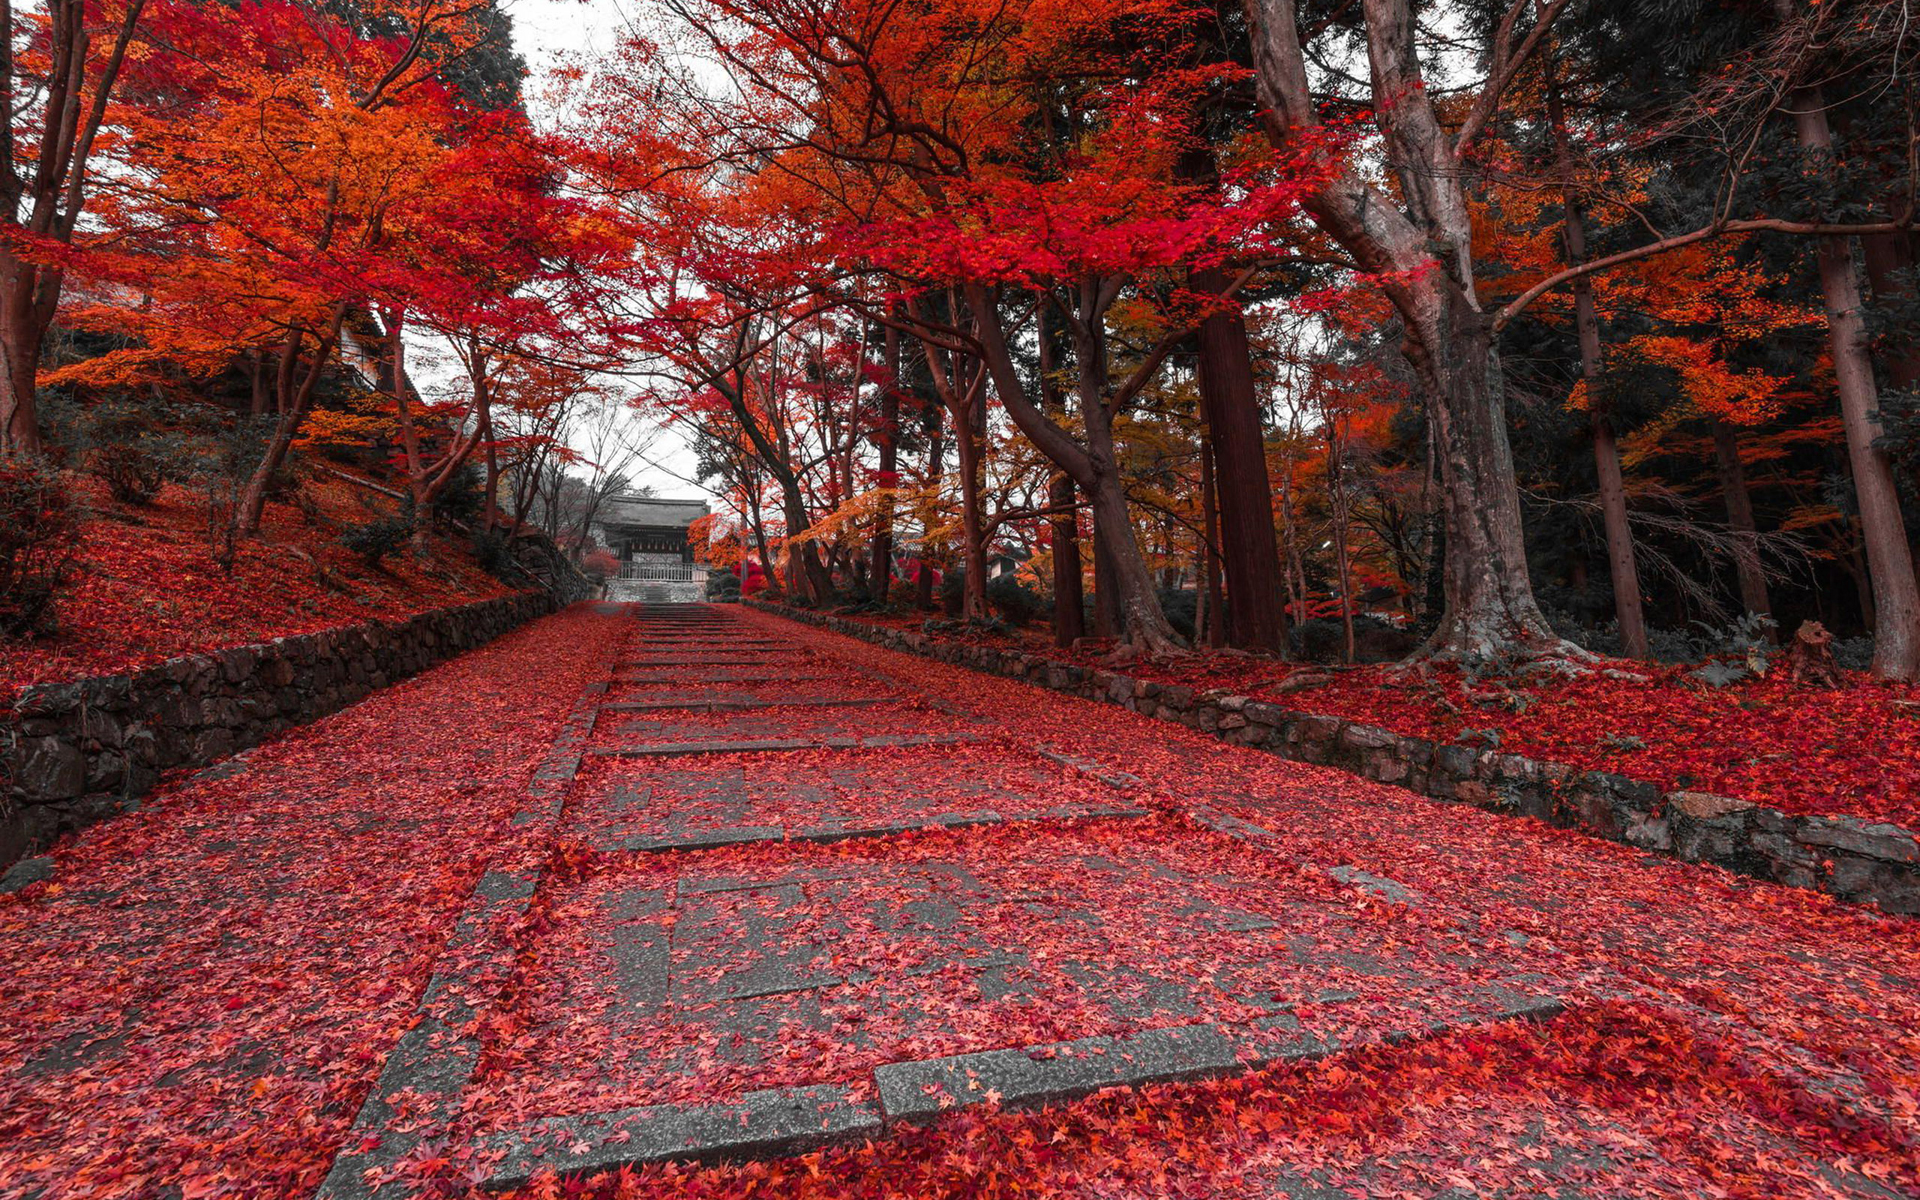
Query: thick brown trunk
{"points": [[1069, 619], [1420, 242], [1256, 618], [1739, 504], [20, 340], [1127, 592], [1211, 626], [1895, 592], [1489, 598]]}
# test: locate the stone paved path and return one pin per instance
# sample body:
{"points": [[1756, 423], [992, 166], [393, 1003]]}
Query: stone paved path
{"points": [[480, 927], [843, 971], [794, 901]]}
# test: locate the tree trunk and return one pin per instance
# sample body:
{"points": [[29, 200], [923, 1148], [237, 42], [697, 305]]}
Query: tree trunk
{"points": [[1490, 606], [880, 574], [1606, 451], [974, 550], [1620, 564], [1128, 588], [20, 341], [1069, 601], [1212, 630], [1256, 619], [923, 581], [1069, 619], [1895, 592], [1739, 504]]}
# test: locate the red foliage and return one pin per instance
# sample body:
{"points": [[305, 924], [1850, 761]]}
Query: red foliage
{"points": [[146, 586]]}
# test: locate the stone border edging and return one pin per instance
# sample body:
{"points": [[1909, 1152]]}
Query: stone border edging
{"points": [[74, 752], [1855, 860]]}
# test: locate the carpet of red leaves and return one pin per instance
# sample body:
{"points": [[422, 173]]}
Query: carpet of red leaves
{"points": [[147, 587], [1810, 751], [198, 1002], [1724, 1037]]}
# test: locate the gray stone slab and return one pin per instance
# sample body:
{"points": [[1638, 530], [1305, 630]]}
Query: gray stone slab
{"points": [[703, 839], [733, 677], [771, 745], [26, 872], [759, 1125], [922, 1091], [1378, 885], [709, 705]]}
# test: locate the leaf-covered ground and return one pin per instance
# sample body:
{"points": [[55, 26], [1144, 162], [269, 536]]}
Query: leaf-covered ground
{"points": [[146, 586], [1808, 751], [200, 1000]]}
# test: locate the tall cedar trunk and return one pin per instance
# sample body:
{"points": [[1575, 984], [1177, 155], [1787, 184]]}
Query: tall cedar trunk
{"points": [[923, 581], [1895, 592], [1069, 601], [1214, 628], [1739, 504], [1624, 571], [967, 441], [880, 576], [1248, 553], [1069, 617]]}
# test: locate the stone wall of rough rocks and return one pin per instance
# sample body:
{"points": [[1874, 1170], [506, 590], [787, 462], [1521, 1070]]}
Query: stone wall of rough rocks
{"points": [[71, 753], [1856, 860]]}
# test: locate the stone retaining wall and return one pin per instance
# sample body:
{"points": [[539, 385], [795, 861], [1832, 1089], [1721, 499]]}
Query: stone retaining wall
{"points": [[1853, 859], [71, 753]]}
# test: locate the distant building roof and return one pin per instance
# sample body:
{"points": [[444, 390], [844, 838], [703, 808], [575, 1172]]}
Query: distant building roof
{"points": [[652, 511]]}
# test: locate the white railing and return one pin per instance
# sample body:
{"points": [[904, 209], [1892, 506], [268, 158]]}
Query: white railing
{"points": [[660, 572]]}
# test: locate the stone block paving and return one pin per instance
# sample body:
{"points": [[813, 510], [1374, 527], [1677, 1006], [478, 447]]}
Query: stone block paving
{"points": [[790, 902], [823, 796]]}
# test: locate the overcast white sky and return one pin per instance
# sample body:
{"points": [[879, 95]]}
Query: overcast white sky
{"points": [[545, 32]]}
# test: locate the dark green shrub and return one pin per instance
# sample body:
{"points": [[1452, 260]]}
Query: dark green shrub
{"points": [[723, 586], [378, 538], [464, 497], [1181, 607], [953, 590], [490, 551], [1014, 601], [39, 535]]}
